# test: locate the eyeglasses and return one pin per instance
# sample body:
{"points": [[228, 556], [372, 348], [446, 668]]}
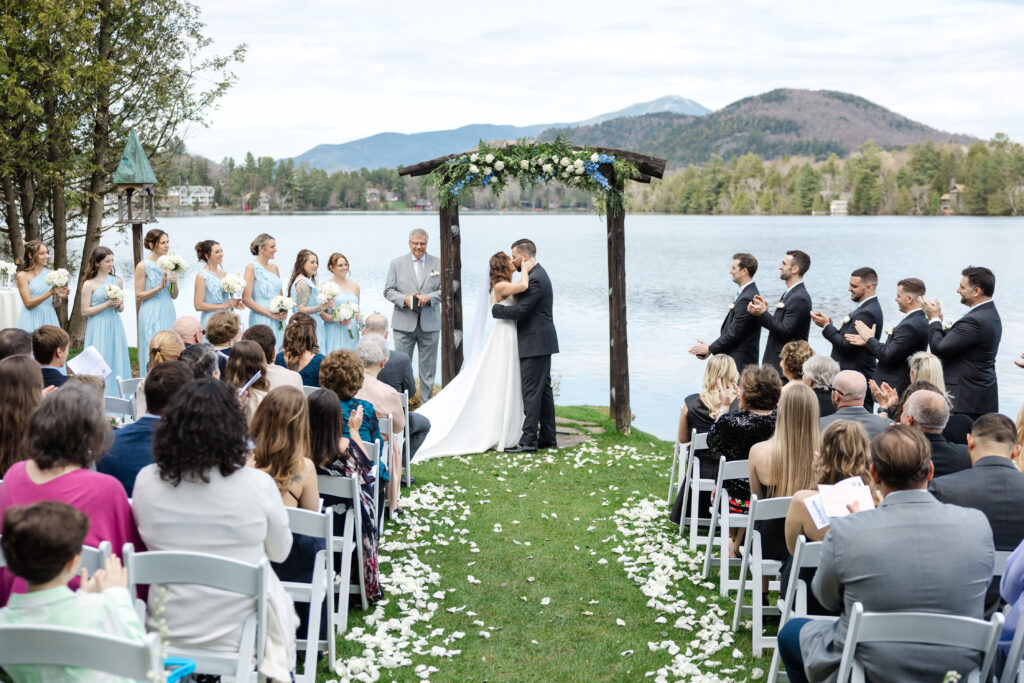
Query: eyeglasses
{"points": [[832, 388]]}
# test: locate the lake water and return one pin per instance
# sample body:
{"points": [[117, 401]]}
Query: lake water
{"points": [[678, 286]]}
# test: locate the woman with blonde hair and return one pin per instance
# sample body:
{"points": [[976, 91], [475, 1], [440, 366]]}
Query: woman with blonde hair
{"points": [[262, 284], [783, 464], [164, 346], [792, 358]]}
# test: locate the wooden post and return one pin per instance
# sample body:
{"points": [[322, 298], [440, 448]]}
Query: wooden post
{"points": [[451, 293], [619, 349]]}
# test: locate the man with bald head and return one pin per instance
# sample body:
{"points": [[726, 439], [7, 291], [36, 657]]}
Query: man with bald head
{"points": [[848, 390], [189, 329], [929, 412]]}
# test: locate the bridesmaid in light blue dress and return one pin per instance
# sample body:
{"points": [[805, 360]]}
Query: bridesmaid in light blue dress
{"points": [[103, 328], [263, 283], [209, 297], [340, 335], [302, 287], [156, 290], [36, 295]]}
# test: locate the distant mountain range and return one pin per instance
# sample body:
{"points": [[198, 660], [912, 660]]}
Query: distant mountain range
{"points": [[388, 150], [784, 121]]}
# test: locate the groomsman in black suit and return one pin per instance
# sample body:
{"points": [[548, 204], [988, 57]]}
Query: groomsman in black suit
{"points": [[791, 318], [863, 283], [902, 341], [968, 348], [740, 336]]}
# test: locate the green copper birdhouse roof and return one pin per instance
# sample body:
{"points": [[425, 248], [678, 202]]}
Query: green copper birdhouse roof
{"points": [[134, 168]]}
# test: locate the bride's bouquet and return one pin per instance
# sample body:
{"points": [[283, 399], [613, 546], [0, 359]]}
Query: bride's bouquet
{"points": [[282, 304], [346, 312], [113, 293], [57, 278], [233, 285], [326, 292], [172, 263]]}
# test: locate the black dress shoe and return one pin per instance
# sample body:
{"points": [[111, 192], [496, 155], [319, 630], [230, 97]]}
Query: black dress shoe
{"points": [[547, 445], [521, 449]]}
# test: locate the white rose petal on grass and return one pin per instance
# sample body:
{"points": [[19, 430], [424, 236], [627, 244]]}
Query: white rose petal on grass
{"points": [[545, 601], [620, 622], [626, 653], [756, 674], [484, 634], [602, 561], [531, 579]]}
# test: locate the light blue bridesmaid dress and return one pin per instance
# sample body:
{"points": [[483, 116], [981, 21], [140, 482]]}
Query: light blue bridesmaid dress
{"points": [[215, 294], [43, 314], [338, 335], [321, 336], [265, 287], [106, 332], [156, 313]]}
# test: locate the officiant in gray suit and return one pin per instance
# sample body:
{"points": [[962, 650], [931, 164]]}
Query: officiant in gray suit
{"points": [[414, 287]]}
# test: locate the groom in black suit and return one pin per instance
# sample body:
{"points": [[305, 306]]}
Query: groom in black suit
{"points": [[535, 329], [740, 336]]}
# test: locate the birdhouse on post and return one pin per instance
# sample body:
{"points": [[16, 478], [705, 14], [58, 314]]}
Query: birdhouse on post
{"points": [[134, 183]]}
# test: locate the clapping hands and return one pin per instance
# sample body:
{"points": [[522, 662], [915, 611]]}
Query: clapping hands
{"points": [[931, 309], [863, 333], [111, 576], [820, 319], [885, 396], [702, 350], [355, 422], [1019, 363], [757, 306], [727, 393]]}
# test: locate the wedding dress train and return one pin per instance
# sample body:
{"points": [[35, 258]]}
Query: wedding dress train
{"points": [[482, 408]]}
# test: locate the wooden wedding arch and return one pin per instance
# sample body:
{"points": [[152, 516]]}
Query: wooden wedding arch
{"points": [[642, 169]]}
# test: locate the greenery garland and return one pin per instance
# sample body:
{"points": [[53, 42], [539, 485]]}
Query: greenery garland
{"points": [[530, 163]]}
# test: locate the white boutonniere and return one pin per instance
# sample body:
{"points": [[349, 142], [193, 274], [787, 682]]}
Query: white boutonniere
{"points": [[948, 324], [434, 273], [781, 304], [846, 319], [732, 306], [889, 330]]}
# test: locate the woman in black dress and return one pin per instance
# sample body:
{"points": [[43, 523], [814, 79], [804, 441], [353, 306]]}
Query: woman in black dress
{"points": [[819, 372]]}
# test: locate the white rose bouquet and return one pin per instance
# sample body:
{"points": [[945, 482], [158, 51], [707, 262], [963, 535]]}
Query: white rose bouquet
{"points": [[57, 278], [113, 293], [282, 304], [326, 292], [7, 271], [172, 263], [233, 285], [346, 312]]}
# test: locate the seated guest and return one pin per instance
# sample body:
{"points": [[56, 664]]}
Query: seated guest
{"points": [[277, 375], [928, 411], [189, 329], [398, 371], [246, 360], [199, 496], [992, 484], [50, 349], [66, 434], [42, 545], [373, 352], [301, 353], [695, 413], [15, 341], [202, 361], [336, 455], [342, 373], [845, 452], [1019, 458], [848, 391], [133, 444], [792, 358], [782, 465], [926, 367], [21, 390], [222, 330], [867, 558], [734, 432], [819, 373], [1011, 590], [164, 347]]}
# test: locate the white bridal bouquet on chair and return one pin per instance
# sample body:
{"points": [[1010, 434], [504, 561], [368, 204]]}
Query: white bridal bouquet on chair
{"points": [[282, 304]]}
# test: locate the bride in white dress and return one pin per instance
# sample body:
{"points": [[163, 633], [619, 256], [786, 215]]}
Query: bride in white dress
{"points": [[482, 408]]}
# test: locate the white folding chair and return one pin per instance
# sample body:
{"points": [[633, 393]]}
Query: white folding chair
{"points": [[373, 454], [924, 628], [309, 390], [314, 593], [385, 426], [127, 388], [118, 407], [349, 543], [693, 486], [62, 646], [180, 567], [1012, 670], [406, 447], [722, 521], [92, 558], [760, 567], [794, 603], [680, 464]]}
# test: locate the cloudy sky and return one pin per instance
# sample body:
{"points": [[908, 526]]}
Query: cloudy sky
{"points": [[321, 71]]}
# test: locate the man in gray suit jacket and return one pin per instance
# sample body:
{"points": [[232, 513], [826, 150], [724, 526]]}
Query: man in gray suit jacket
{"points": [[414, 287], [912, 554], [848, 389]]}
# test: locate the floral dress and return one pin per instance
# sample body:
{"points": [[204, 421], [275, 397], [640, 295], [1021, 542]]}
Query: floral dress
{"points": [[732, 435]]}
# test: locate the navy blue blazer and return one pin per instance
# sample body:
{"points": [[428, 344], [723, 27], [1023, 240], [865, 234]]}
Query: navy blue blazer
{"points": [[852, 357], [907, 338], [740, 336], [131, 451], [790, 323], [968, 353], [53, 377]]}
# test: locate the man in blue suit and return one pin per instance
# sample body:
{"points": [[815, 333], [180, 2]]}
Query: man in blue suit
{"points": [[133, 444], [50, 349]]}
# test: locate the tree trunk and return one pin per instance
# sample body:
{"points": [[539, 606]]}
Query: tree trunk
{"points": [[451, 294], [619, 349], [29, 210], [57, 203], [17, 240], [98, 159]]}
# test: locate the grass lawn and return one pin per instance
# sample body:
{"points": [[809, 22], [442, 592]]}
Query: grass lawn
{"points": [[546, 567], [133, 358]]}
